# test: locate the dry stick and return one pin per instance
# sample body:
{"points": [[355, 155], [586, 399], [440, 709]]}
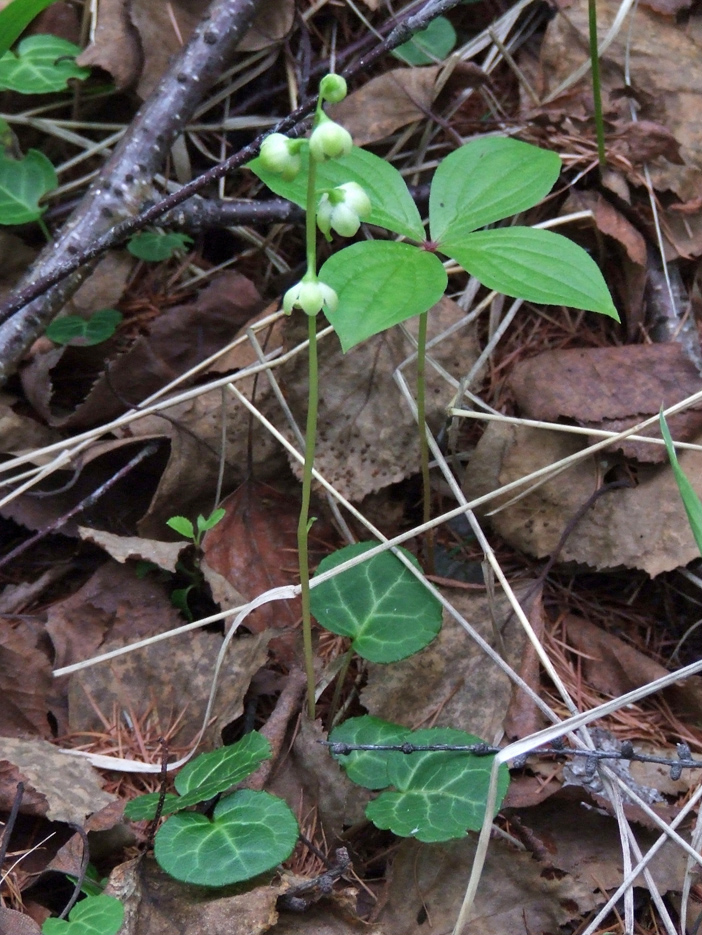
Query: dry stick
{"points": [[79, 507], [120, 187]]}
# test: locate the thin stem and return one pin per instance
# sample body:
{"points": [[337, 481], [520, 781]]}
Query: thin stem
{"points": [[310, 442], [423, 443], [596, 87], [338, 688]]}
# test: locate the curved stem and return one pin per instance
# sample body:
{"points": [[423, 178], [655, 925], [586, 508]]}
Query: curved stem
{"points": [[423, 443]]}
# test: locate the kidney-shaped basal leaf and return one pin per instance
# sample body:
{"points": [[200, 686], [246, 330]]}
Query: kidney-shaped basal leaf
{"points": [[440, 795], [249, 832], [379, 284], [95, 915], [41, 64], [205, 777], [85, 332], [379, 604], [429, 45], [536, 265], [368, 768], [22, 183], [392, 206], [485, 181]]}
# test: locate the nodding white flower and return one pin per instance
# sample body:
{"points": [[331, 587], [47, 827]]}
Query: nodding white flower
{"points": [[329, 140], [342, 208], [332, 88], [311, 296], [281, 155]]}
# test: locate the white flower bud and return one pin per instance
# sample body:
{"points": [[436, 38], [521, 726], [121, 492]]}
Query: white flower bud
{"points": [[332, 88], [330, 140], [342, 210], [278, 155], [311, 296]]}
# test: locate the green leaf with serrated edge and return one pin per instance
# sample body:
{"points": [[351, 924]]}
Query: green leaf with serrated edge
{"points": [[379, 604], [22, 183], [379, 284], [15, 18], [368, 768], [485, 181], [215, 516], [392, 205], [143, 808], [181, 525], [40, 65], [536, 265], [154, 247], [249, 832], [439, 795], [95, 915], [688, 494], [430, 45]]}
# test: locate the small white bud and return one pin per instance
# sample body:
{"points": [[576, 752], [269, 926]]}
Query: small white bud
{"points": [[332, 88], [277, 155], [330, 140], [311, 296]]}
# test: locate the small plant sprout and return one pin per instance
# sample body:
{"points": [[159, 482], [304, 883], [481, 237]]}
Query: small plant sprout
{"points": [[184, 527]]}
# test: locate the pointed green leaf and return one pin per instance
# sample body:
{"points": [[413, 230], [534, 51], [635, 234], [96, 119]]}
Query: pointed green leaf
{"points": [[182, 525], [691, 502], [392, 205], [429, 45], [368, 768], [485, 181], [379, 284], [15, 18], [22, 183], [41, 64], [95, 915], [439, 795], [379, 604], [249, 832], [536, 265]]}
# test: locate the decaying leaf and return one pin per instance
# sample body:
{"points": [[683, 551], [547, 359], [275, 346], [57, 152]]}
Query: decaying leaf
{"points": [[386, 103], [25, 681], [126, 548], [639, 527]]}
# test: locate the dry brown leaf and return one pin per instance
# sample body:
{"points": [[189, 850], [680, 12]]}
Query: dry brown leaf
{"points": [[611, 222], [515, 896], [386, 103], [19, 433], [641, 527], [116, 47], [611, 388], [32, 802], [17, 923], [127, 548], [70, 785], [451, 682], [25, 680], [523, 717], [663, 61]]}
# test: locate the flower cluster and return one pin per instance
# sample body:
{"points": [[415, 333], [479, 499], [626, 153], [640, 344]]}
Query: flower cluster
{"points": [[342, 209]]}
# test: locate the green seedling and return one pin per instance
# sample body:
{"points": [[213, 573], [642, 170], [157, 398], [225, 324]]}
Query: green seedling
{"points": [[157, 246], [248, 832], [23, 183], [185, 528], [94, 915], [434, 795], [84, 332], [430, 45], [40, 65], [691, 502]]}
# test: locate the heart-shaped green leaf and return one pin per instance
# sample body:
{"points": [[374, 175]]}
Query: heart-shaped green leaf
{"points": [[41, 64], [379, 604], [249, 832], [379, 284], [485, 181], [437, 796], [85, 331], [392, 206], [94, 915], [536, 265], [22, 183]]}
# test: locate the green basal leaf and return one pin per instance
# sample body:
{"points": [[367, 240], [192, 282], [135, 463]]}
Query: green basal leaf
{"points": [[204, 525], [430, 45], [154, 246], [379, 284], [15, 18], [368, 768], [182, 525], [485, 181], [85, 331], [379, 604], [23, 182], [42, 64], [536, 265], [143, 808], [95, 915], [392, 205], [691, 502], [249, 832]]}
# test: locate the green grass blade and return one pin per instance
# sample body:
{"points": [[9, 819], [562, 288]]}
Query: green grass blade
{"points": [[691, 502]]}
